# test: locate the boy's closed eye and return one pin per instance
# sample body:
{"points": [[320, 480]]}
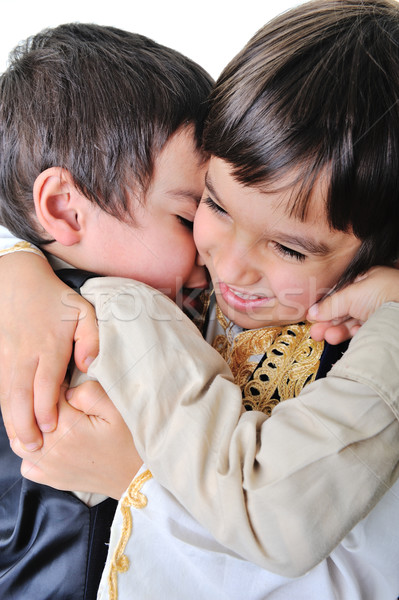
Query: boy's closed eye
{"points": [[213, 206], [288, 252], [281, 249], [186, 222]]}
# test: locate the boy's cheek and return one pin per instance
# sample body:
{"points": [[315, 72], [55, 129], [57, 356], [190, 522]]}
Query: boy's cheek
{"points": [[295, 301]]}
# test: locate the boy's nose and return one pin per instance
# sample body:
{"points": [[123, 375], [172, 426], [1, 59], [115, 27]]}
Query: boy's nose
{"points": [[235, 267]]}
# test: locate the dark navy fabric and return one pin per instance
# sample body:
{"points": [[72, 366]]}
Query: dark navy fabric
{"points": [[331, 354], [52, 546]]}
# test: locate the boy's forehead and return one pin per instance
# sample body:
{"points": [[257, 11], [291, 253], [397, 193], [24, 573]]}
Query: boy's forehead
{"points": [[283, 195], [179, 169], [179, 160], [181, 144]]}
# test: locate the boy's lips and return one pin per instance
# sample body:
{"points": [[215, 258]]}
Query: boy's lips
{"points": [[241, 300]]}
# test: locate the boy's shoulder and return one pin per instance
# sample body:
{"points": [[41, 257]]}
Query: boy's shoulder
{"points": [[124, 300]]}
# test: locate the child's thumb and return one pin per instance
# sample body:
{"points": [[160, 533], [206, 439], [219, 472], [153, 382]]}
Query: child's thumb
{"points": [[331, 308], [86, 340], [90, 398]]}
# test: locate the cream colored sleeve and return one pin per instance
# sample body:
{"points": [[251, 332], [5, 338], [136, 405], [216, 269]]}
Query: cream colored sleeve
{"points": [[282, 492]]}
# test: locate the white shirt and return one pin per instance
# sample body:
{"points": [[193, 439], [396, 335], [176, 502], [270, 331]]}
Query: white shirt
{"points": [[171, 556]]}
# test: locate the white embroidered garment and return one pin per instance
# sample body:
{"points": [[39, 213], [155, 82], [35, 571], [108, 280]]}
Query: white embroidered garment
{"points": [[169, 555]]}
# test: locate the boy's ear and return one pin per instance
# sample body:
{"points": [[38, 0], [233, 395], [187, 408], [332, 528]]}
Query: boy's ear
{"points": [[59, 206]]}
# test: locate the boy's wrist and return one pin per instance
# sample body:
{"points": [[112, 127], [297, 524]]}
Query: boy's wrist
{"points": [[377, 370]]}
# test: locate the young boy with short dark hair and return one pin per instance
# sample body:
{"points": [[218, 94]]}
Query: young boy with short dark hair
{"points": [[101, 155]]}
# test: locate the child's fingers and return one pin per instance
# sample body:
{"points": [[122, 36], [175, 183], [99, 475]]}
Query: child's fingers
{"points": [[361, 298], [86, 337], [80, 325], [18, 448], [335, 332], [7, 419], [49, 378], [317, 330], [90, 398], [16, 377], [19, 417], [31, 471], [331, 308]]}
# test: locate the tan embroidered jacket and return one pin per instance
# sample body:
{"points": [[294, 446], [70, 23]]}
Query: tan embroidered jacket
{"points": [[299, 472]]}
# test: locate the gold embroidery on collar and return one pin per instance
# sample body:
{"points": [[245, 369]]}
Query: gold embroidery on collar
{"points": [[24, 247], [291, 360], [120, 562], [239, 351]]}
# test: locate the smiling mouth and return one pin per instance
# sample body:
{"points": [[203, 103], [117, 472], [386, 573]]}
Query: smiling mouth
{"points": [[246, 296], [242, 300]]}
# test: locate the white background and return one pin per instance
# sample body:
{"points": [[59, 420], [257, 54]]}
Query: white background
{"points": [[210, 32]]}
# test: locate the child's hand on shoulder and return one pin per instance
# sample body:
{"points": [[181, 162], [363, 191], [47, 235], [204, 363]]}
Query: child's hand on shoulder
{"points": [[338, 317], [41, 321]]}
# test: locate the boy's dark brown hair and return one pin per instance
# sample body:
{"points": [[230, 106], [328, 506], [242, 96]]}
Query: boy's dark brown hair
{"points": [[99, 102], [316, 93]]}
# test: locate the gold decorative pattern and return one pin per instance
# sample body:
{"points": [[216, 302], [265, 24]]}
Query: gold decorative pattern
{"points": [[120, 562], [270, 364], [22, 247]]}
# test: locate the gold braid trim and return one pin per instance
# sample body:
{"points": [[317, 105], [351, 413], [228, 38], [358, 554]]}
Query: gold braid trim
{"points": [[120, 562], [22, 247], [291, 359], [238, 353], [291, 362]]}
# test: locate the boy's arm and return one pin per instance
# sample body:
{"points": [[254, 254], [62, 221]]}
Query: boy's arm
{"points": [[282, 492], [40, 319]]}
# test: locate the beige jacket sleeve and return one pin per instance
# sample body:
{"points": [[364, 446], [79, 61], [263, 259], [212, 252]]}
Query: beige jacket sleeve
{"points": [[283, 491]]}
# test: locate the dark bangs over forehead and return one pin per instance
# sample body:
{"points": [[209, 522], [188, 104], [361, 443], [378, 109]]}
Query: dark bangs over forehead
{"points": [[316, 92]]}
